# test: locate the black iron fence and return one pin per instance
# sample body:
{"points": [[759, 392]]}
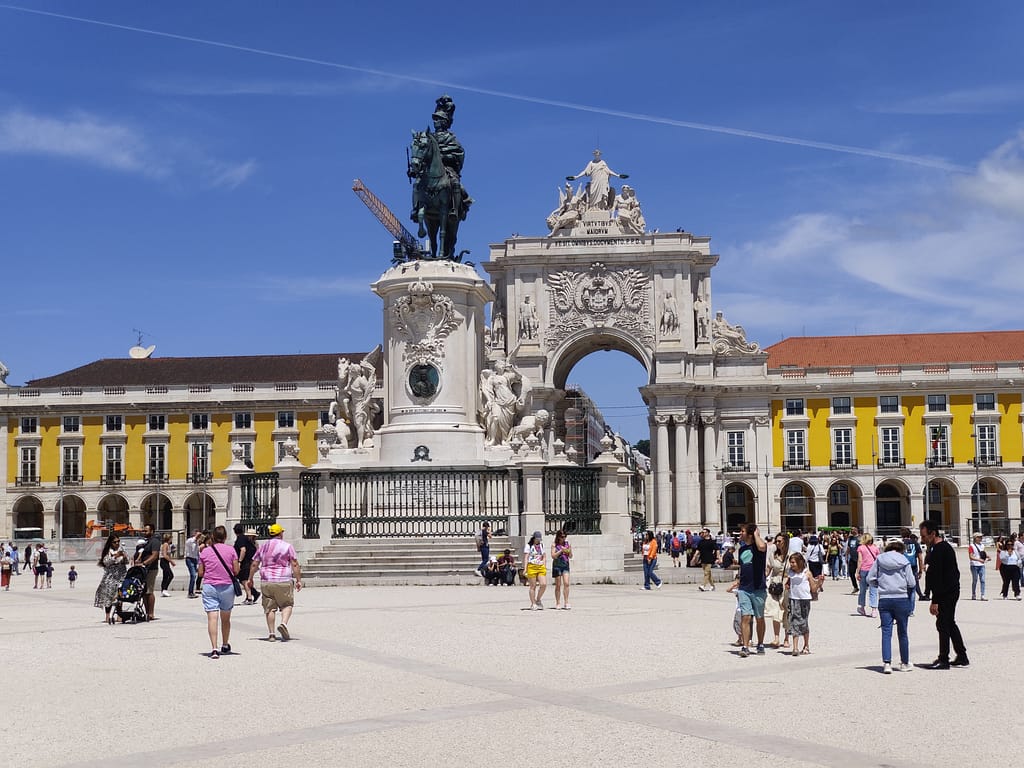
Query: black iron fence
{"points": [[309, 490], [572, 500], [259, 494], [420, 502]]}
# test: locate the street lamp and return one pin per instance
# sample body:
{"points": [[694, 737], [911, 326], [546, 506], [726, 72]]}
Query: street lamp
{"points": [[977, 486]]}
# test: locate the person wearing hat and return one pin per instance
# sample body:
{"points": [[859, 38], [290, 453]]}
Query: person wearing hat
{"points": [[245, 548], [978, 557], [280, 577]]}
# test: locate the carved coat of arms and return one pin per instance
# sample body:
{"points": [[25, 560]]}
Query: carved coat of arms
{"points": [[599, 297], [426, 319]]}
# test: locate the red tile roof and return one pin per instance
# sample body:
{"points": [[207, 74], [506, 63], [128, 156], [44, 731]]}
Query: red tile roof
{"points": [[170, 371], [897, 349]]}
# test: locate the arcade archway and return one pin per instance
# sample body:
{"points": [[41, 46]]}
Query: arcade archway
{"points": [[200, 512], [28, 518], [156, 511], [72, 521], [797, 512]]}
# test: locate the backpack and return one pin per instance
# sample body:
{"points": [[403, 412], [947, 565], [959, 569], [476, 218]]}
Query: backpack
{"points": [[43, 559]]}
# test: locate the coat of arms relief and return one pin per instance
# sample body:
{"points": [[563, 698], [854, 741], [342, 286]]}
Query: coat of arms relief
{"points": [[426, 319], [599, 297]]}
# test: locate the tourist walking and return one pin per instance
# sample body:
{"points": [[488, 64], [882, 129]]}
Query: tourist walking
{"points": [[536, 569], [650, 561], [5, 571], [1009, 569], [802, 586], [852, 543], [192, 560], [114, 562], [942, 582], [893, 576], [245, 548], [833, 552], [866, 554], [15, 554], [561, 554], [218, 564], [978, 557], [752, 589], [814, 554], [706, 554], [72, 577], [280, 579], [166, 565], [40, 566], [776, 602], [147, 554]]}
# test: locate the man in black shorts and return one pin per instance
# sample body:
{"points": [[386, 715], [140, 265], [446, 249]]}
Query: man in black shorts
{"points": [[245, 548], [148, 556]]}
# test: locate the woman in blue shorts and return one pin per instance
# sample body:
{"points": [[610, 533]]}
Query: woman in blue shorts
{"points": [[217, 565], [561, 554]]}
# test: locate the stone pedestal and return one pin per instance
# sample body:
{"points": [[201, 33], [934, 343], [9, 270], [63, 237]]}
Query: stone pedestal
{"points": [[433, 326]]}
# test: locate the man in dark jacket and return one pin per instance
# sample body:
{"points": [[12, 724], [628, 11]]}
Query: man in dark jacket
{"points": [[943, 584]]}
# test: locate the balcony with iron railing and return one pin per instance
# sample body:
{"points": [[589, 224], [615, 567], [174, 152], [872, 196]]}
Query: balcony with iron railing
{"points": [[112, 479], [741, 466], [26, 481], [892, 464], [199, 477], [940, 462], [156, 477], [67, 480], [843, 464], [796, 466], [986, 461]]}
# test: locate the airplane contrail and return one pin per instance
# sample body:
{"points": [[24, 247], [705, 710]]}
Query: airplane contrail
{"points": [[928, 162]]}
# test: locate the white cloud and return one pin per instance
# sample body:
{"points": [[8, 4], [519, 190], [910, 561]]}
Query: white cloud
{"points": [[83, 137], [984, 99], [232, 176], [939, 259]]}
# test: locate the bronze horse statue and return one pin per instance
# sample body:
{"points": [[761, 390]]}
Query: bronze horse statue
{"points": [[435, 198]]}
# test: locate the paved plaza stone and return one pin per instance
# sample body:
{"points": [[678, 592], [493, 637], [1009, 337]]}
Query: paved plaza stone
{"points": [[462, 676]]}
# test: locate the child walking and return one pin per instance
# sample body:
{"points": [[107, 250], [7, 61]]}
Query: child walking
{"points": [[72, 577], [802, 588]]}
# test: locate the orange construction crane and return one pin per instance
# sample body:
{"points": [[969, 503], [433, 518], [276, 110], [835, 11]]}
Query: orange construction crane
{"points": [[406, 247]]}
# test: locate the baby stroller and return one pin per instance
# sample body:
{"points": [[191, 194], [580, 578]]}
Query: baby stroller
{"points": [[130, 607]]}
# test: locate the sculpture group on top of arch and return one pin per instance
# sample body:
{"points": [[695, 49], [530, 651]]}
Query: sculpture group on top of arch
{"points": [[596, 202]]}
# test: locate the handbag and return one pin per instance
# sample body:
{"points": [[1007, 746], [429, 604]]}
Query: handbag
{"points": [[234, 581], [775, 589]]}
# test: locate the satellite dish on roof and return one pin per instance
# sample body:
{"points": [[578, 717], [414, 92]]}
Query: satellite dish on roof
{"points": [[141, 353]]}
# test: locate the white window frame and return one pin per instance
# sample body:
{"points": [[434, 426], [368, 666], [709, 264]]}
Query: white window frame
{"points": [[286, 416], [156, 461], [736, 446], [162, 417], [29, 463], [796, 446], [845, 447], [74, 421], [937, 443], [849, 406], [29, 425], [889, 460], [883, 406], [800, 410], [71, 463], [245, 417], [113, 456], [113, 423], [930, 408], [986, 443], [199, 453], [200, 422], [989, 407]]}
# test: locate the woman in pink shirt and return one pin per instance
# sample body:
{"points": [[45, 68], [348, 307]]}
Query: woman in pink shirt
{"points": [[867, 552], [218, 563]]}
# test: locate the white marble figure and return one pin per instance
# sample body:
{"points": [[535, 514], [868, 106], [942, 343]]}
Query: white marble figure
{"points": [[669, 314], [4, 373], [504, 396], [532, 424], [702, 314], [529, 325], [356, 406], [571, 206], [598, 189], [730, 339], [497, 327], [630, 217]]}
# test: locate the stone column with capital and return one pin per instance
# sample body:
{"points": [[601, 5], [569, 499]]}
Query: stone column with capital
{"points": [[681, 474], [712, 487], [289, 495], [693, 495], [662, 476], [234, 472]]}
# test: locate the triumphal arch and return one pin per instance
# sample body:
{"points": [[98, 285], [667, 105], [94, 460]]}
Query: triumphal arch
{"points": [[600, 280]]}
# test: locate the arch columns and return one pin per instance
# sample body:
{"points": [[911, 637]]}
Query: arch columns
{"points": [[662, 474], [681, 474], [712, 508]]}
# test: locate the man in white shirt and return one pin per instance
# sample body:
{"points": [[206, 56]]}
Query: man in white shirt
{"points": [[796, 544]]}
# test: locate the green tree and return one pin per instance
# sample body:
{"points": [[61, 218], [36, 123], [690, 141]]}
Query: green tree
{"points": [[644, 446]]}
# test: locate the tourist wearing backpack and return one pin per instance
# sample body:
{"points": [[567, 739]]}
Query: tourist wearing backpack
{"points": [[41, 567]]}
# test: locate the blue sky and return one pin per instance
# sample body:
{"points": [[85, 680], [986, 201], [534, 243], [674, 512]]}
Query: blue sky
{"points": [[870, 180]]}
